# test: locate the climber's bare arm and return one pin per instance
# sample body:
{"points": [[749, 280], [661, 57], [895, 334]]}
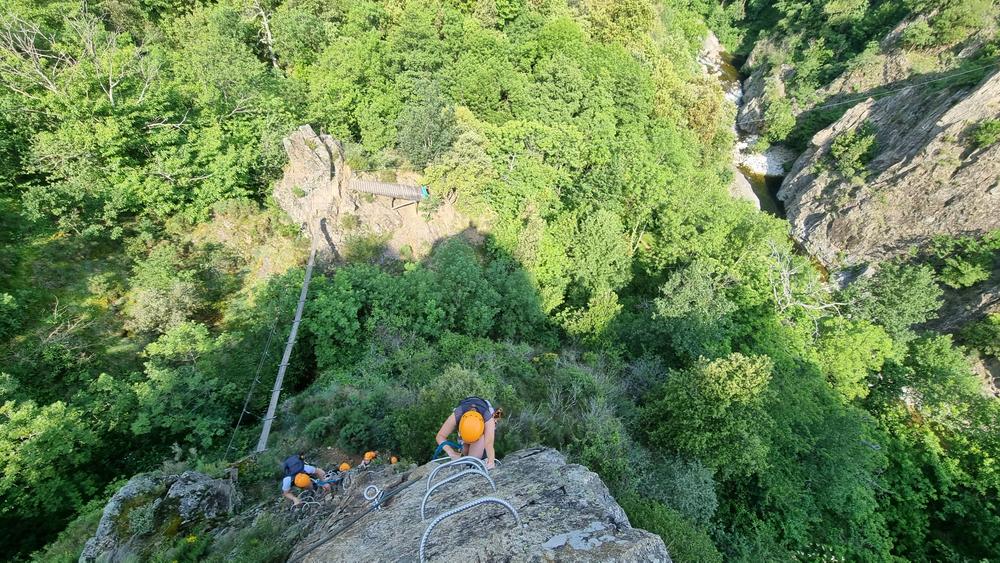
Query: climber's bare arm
{"points": [[491, 432], [446, 429]]}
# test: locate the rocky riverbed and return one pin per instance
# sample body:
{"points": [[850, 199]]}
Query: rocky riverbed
{"points": [[756, 174]]}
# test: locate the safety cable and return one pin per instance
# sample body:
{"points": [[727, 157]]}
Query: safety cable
{"points": [[256, 378], [353, 520]]}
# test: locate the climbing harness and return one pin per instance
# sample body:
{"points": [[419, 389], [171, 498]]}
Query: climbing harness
{"points": [[464, 507]]}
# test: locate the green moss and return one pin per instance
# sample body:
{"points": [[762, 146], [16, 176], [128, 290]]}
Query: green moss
{"points": [[173, 526], [124, 522]]}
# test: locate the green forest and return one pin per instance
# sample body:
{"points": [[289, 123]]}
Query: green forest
{"points": [[621, 306]]}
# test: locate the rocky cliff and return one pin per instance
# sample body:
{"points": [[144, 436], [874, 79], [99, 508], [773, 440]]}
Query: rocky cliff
{"points": [[315, 191], [564, 512], [926, 177], [150, 507]]}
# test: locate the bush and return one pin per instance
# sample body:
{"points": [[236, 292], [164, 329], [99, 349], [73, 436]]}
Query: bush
{"points": [[960, 18], [685, 541], [986, 133], [683, 485], [778, 118], [365, 248], [9, 316], [964, 261], [853, 150], [269, 540], [141, 519], [897, 297], [984, 335], [918, 35], [959, 272], [68, 546], [320, 428]]}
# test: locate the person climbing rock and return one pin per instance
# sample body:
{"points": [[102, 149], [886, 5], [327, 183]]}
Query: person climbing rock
{"points": [[476, 421], [299, 473]]}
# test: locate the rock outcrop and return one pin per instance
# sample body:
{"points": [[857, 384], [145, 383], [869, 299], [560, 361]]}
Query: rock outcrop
{"points": [[926, 178], [152, 503], [566, 513], [316, 191], [765, 80]]}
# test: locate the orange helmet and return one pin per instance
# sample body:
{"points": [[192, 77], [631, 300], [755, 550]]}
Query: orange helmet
{"points": [[370, 456], [345, 466], [471, 426], [302, 481]]}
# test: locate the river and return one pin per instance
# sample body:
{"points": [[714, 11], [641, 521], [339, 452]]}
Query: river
{"points": [[750, 168]]}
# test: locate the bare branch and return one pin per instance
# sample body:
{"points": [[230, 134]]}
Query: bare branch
{"points": [[24, 56], [267, 39]]}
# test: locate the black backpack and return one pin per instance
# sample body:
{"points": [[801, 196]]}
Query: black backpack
{"points": [[475, 403], [294, 465]]}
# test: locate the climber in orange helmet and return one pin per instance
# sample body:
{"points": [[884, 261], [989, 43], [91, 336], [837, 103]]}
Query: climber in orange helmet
{"points": [[476, 421], [299, 473]]}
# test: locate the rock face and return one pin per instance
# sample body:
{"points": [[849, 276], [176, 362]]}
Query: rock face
{"points": [[198, 496], [566, 512], [147, 502], [925, 179], [750, 118], [316, 192], [742, 189]]}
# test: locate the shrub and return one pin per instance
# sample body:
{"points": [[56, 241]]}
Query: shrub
{"points": [[984, 335], [268, 540], [964, 261], [778, 118], [986, 133], [852, 151], [141, 519], [320, 428], [958, 271], [897, 297], [349, 222], [685, 541], [9, 317], [366, 247], [683, 485], [959, 19], [68, 546], [918, 35]]}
